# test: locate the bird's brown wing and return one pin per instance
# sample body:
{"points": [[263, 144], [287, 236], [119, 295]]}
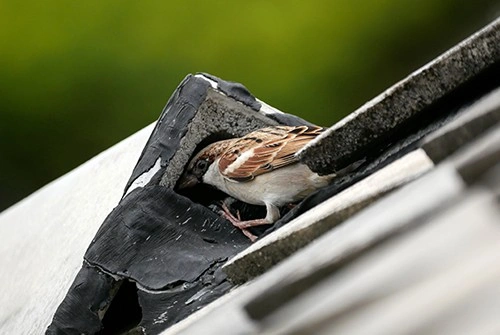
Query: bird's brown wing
{"points": [[265, 150]]}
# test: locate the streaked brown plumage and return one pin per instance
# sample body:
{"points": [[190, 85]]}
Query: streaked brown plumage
{"points": [[260, 168]]}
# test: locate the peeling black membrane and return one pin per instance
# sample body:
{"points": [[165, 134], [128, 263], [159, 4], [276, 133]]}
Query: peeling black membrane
{"points": [[158, 255]]}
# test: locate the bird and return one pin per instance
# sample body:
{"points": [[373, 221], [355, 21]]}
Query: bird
{"points": [[259, 168]]}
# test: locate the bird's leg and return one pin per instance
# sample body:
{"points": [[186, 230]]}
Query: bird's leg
{"points": [[272, 215], [226, 213], [248, 234]]}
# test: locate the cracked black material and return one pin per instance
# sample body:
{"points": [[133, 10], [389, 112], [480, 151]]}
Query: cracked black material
{"points": [[91, 291], [156, 317], [171, 126], [236, 91], [148, 235], [159, 253]]}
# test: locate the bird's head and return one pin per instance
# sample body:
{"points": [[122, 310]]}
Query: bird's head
{"points": [[199, 164]]}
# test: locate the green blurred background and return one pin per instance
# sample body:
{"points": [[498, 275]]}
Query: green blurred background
{"points": [[77, 77]]}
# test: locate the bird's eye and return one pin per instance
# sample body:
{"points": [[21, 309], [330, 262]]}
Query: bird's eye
{"points": [[202, 165]]}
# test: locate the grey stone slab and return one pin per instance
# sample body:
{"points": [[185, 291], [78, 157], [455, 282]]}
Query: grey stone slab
{"points": [[474, 310], [491, 180], [474, 160], [280, 244], [376, 121], [472, 122], [44, 236], [421, 282]]}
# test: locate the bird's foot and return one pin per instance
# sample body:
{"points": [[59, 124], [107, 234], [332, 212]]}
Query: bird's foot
{"points": [[248, 234], [243, 225]]}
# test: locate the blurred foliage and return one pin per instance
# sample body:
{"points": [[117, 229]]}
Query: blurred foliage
{"points": [[77, 77]]}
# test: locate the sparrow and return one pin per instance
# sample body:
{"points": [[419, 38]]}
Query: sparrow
{"points": [[260, 168]]}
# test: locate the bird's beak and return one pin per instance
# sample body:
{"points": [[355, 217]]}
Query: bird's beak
{"points": [[187, 181]]}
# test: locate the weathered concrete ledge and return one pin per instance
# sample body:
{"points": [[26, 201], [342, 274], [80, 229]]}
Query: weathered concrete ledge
{"points": [[375, 122]]}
